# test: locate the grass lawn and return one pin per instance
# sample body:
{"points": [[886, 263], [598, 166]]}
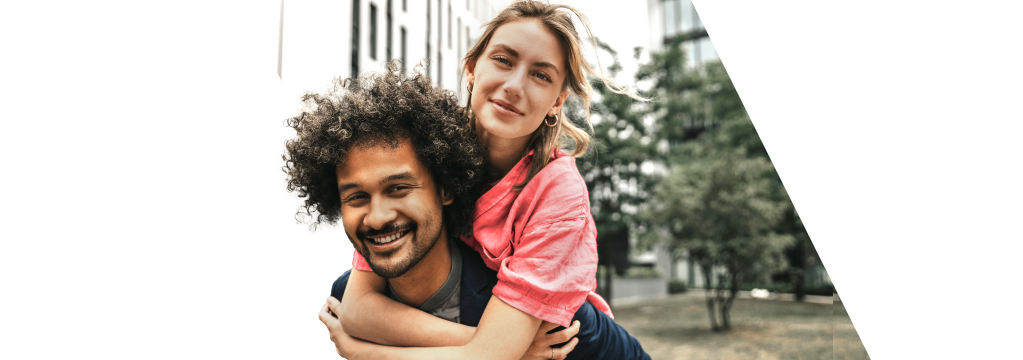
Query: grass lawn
{"points": [[677, 327]]}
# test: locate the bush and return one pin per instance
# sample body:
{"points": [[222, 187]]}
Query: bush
{"points": [[642, 272], [822, 290], [677, 286]]}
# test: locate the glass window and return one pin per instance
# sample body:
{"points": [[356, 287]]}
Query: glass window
{"points": [[355, 38], [404, 59], [372, 31], [670, 17], [390, 35]]}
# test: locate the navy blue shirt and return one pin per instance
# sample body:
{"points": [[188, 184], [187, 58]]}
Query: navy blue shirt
{"points": [[599, 336]]}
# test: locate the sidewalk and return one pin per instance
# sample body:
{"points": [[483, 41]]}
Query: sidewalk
{"points": [[813, 299]]}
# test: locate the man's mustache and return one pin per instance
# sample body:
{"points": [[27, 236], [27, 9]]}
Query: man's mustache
{"points": [[387, 229]]}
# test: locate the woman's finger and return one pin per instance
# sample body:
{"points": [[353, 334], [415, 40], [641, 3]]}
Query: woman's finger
{"points": [[546, 326], [564, 335], [564, 350], [325, 316]]}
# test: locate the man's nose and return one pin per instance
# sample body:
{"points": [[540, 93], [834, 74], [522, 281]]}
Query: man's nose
{"points": [[380, 214]]}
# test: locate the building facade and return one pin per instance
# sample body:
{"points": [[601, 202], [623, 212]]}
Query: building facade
{"points": [[433, 34], [671, 19]]}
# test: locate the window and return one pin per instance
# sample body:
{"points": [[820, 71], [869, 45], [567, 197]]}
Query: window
{"points": [[440, 38], [440, 26], [390, 35], [372, 31], [449, 24], [671, 17], [404, 60], [428, 27], [355, 38]]}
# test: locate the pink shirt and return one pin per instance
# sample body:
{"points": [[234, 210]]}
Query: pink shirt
{"points": [[541, 241]]}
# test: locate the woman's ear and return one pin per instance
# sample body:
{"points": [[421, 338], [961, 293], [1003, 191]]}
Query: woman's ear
{"points": [[470, 70], [557, 104]]}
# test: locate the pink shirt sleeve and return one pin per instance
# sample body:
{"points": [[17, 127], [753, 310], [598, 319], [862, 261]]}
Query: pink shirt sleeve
{"points": [[359, 263], [551, 269]]}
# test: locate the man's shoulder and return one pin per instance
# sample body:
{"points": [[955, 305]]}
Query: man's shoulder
{"points": [[475, 273], [338, 289]]}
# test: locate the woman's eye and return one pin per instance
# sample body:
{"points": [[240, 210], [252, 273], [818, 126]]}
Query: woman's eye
{"points": [[502, 60], [543, 77]]}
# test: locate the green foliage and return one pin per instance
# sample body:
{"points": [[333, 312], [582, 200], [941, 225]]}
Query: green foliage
{"points": [[721, 205], [643, 272], [620, 144], [677, 286]]}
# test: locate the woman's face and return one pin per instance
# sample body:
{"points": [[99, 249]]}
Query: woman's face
{"points": [[518, 80]]}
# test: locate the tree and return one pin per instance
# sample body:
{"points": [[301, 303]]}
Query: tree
{"points": [[722, 204], [612, 168], [719, 204]]}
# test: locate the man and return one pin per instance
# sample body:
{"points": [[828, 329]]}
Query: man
{"points": [[399, 161]]}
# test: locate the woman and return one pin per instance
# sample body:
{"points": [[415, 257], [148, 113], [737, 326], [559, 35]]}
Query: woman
{"points": [[533, 223]]}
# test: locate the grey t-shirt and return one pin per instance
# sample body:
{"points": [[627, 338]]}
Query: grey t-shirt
{"points": [[445, 302]]}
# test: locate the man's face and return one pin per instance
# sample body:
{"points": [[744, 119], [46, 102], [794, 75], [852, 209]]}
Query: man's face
{"points": [[390, 207]]}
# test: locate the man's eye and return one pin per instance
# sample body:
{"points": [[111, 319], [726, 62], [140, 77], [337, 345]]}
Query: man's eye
{"points": [[354, 198], [401, 188]]}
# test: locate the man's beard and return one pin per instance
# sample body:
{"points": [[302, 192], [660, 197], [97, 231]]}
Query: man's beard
{"points": [[417, 249]]}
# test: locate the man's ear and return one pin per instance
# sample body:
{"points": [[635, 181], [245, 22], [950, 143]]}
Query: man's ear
{"points": [[446, 197]]}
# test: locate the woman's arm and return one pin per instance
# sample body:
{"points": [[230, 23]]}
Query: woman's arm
{"points": [[366, 313], [504, 333]]}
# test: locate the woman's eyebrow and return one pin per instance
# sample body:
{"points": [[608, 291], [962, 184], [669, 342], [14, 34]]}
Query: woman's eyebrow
{"points": [[543, 64]]}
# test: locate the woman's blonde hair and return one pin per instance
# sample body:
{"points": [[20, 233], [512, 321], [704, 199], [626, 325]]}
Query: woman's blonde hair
{"points": [[559, 23]]}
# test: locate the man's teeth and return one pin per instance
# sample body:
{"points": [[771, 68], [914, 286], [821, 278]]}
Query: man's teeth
{"points": [[389, 238]]}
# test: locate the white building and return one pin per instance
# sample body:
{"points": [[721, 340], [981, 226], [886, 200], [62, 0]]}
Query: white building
{"points": [[669, 19], [324, 39]]}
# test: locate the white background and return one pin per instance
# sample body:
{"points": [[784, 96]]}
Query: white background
{"points": [[144, 213]]}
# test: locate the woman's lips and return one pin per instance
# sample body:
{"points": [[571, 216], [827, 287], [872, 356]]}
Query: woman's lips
{"points": [[506, 107]]}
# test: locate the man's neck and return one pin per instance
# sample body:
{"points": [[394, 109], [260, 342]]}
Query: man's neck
{"points": [[426, 277]]}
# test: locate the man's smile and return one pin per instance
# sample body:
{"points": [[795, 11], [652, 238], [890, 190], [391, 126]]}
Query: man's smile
{"points": [[380, 240]]}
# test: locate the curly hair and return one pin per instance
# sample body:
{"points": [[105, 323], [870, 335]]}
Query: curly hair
{"points": [[382, 109]]}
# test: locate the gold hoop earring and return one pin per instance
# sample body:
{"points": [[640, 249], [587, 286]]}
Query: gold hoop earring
{"points": [[555, 117]]}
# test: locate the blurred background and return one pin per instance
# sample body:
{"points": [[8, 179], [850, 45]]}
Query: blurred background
{"points": [[703, 255]]}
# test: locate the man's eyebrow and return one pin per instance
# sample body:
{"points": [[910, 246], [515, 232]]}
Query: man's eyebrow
{"points": [[399, 176], [345, 187], [542, 64]]}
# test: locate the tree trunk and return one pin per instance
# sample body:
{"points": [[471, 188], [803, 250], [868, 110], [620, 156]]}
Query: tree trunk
{"points": [[727, 305], [708, 294], [799, 282]]}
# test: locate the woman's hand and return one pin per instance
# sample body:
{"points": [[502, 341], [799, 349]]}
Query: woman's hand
{"points": [[344, 344], [541, 348]]}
